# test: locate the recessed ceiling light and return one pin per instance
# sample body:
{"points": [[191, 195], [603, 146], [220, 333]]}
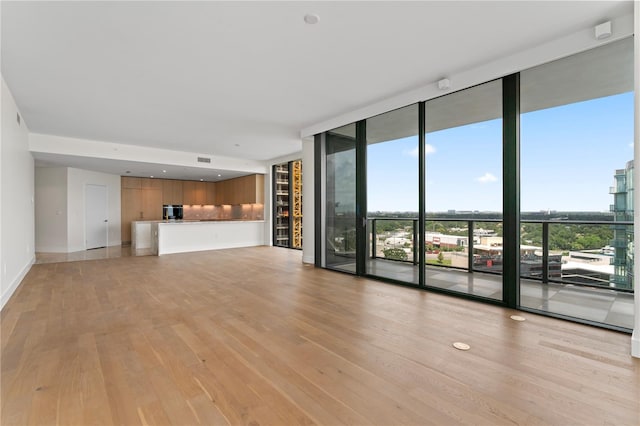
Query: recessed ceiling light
{"points": [[219, 175], [151, 177], [311, 18], [164, 171], [201, 180]]}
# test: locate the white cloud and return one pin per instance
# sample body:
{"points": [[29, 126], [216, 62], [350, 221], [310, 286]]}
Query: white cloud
{"points": [[487, 178], [631, 145], [429, 149]]}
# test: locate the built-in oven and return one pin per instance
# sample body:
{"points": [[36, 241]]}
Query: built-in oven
{"points": [[172, 211]]}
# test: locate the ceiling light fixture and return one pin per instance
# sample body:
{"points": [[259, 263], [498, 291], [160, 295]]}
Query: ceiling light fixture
{"points": [[311, 18], [151, 177], [219, 175], [201, 180], [164, 171]]}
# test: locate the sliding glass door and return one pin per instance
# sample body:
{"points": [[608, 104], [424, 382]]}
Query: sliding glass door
{"points": [[463, 181], [392, 195]]}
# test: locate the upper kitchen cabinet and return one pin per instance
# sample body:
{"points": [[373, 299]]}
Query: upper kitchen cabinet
{"points": [[150, 183], [242, 190], [172, 191], [131, 182], [194, 192], [210, 195], [252, 189]]}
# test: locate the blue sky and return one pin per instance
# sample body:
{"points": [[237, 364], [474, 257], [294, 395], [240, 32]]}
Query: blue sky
{"points": [[568, 158]]}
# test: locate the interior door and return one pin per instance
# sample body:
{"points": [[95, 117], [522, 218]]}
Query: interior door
{"points": [[96, 214]]}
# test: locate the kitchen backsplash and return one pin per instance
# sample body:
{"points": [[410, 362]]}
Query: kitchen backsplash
{"points": [[225, 212]]}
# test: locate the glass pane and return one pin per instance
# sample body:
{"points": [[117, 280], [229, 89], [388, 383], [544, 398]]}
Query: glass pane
{"points": [[576, 185], [464, 190], [392, 194], [281, 205], [340, 227]]}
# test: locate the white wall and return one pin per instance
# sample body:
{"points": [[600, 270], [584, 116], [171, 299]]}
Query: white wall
{"points": [[308, 204], [60, 208], [17, 248], [51, 209], [77, 180]]}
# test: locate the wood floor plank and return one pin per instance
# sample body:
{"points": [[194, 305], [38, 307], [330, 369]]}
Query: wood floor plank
{"points": [[252, 336]]}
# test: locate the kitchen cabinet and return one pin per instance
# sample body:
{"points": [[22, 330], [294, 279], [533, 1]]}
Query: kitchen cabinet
{"points": [[151, 183], [210, 195], [138, 204], [172, 191], [131, 205], [194, 192], [242, 190], [142, 198], [128, 182], [151, 204], [248, 189], [221, 196]]}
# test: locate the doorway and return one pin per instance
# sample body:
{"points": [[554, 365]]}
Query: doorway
{"points": [[96, 216]]}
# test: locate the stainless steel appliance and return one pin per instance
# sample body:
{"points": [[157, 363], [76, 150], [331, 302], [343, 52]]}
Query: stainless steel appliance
{"points": [[172, 211]]}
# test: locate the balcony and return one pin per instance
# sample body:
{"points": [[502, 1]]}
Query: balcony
{"points": [[562, 279]]}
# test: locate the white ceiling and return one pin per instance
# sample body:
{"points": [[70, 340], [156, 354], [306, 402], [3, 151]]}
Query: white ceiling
{"points": [[241, 79], [135, 168]]}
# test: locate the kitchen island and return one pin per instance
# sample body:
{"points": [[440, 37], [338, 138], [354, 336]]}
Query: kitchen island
{"points": [[183, 236]]}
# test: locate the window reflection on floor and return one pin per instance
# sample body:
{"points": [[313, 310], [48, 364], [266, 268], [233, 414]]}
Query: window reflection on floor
{"points": [[94, 254]]}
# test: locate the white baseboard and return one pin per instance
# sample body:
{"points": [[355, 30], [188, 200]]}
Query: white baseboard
{"points": [[308, 259], [16, 282], [635, 343]]}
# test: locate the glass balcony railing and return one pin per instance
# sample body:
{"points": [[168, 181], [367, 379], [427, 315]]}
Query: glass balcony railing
{"points": [[589, 253]]}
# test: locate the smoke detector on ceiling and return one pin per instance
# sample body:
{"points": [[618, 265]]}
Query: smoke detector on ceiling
{"points": [[603, 30], [311, 18]]}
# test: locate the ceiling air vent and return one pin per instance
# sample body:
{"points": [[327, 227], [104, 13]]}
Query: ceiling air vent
{"points": [[204, 160]]}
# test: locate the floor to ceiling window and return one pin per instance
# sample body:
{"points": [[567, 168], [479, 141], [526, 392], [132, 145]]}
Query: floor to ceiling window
{"points": [[576, 193], [340, 205], [463, 182], [392, 195], [518, 191]]}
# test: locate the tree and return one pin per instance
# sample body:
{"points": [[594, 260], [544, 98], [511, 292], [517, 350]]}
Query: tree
{"points": [[395, 254], [440, 258]]}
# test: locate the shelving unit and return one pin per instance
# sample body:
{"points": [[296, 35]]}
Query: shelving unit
{"points": [[281, 205], [295, 195], [287, 204]]}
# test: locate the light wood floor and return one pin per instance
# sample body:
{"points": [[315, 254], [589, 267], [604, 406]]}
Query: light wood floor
{"points": [[251, 336]]}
